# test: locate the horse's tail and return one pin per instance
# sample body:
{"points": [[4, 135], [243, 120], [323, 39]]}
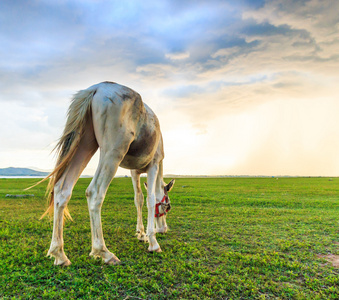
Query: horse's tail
{"points": [[77, 116]]}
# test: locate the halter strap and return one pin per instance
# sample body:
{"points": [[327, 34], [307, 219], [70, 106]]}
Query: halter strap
{"points": [[164, 201]]}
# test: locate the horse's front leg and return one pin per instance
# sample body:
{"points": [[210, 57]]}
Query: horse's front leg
{"points": [[151, 201], [139, 202]]}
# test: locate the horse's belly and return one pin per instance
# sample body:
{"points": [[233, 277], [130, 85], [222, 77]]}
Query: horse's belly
{"points": [[135, 163], [142, 149]]}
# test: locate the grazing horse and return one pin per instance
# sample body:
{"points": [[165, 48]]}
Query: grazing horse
{"points": [[113, 118]]}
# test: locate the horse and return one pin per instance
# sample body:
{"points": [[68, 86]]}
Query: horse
{"points": [[113, 118]]}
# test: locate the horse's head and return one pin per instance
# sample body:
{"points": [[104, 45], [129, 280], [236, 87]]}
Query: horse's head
{"points": [[162, 206]]}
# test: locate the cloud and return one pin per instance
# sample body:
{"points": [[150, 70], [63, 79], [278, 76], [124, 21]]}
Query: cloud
{"points": [[314, 21], [278, 59], [205, 64], [27, 127], [177, 55]]}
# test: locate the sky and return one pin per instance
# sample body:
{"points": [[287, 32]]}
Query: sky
{"points": [[240, 87]]}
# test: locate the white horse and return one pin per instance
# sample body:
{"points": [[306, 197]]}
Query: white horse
{"points": [[113, 118]]}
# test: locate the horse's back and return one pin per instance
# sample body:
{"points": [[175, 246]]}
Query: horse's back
{"points": [[116, 94]]}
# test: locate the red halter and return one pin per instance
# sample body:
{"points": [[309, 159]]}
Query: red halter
{"points": [[165, 201]]}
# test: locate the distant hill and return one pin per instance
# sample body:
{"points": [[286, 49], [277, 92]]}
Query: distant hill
{"points": [[21, 172]]}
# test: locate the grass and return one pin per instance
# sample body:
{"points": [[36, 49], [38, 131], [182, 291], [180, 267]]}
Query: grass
{"points": [[230, 238]]}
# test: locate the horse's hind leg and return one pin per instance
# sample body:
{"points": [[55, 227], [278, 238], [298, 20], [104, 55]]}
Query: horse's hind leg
{"points": [[108, 165], [62, 194]]}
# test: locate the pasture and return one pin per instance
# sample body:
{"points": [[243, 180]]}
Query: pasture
{"points": [[229, 238]]}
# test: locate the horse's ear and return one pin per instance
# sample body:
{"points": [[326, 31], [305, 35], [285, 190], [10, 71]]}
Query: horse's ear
{"points": [[145, 184], [170, 185]]}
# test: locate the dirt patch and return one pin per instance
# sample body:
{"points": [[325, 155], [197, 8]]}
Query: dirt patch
{"points": [[333, 259]]}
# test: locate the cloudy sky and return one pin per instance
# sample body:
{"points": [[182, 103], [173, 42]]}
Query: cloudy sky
{"points": [[240, 87]]}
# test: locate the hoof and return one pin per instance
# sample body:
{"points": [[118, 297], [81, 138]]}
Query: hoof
{"points": [[66, 263], [155, 251], [114, 261], [162, 230], [142, 238]]}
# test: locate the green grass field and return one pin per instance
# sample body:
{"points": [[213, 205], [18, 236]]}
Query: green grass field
{"points": [[229, 238]]}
